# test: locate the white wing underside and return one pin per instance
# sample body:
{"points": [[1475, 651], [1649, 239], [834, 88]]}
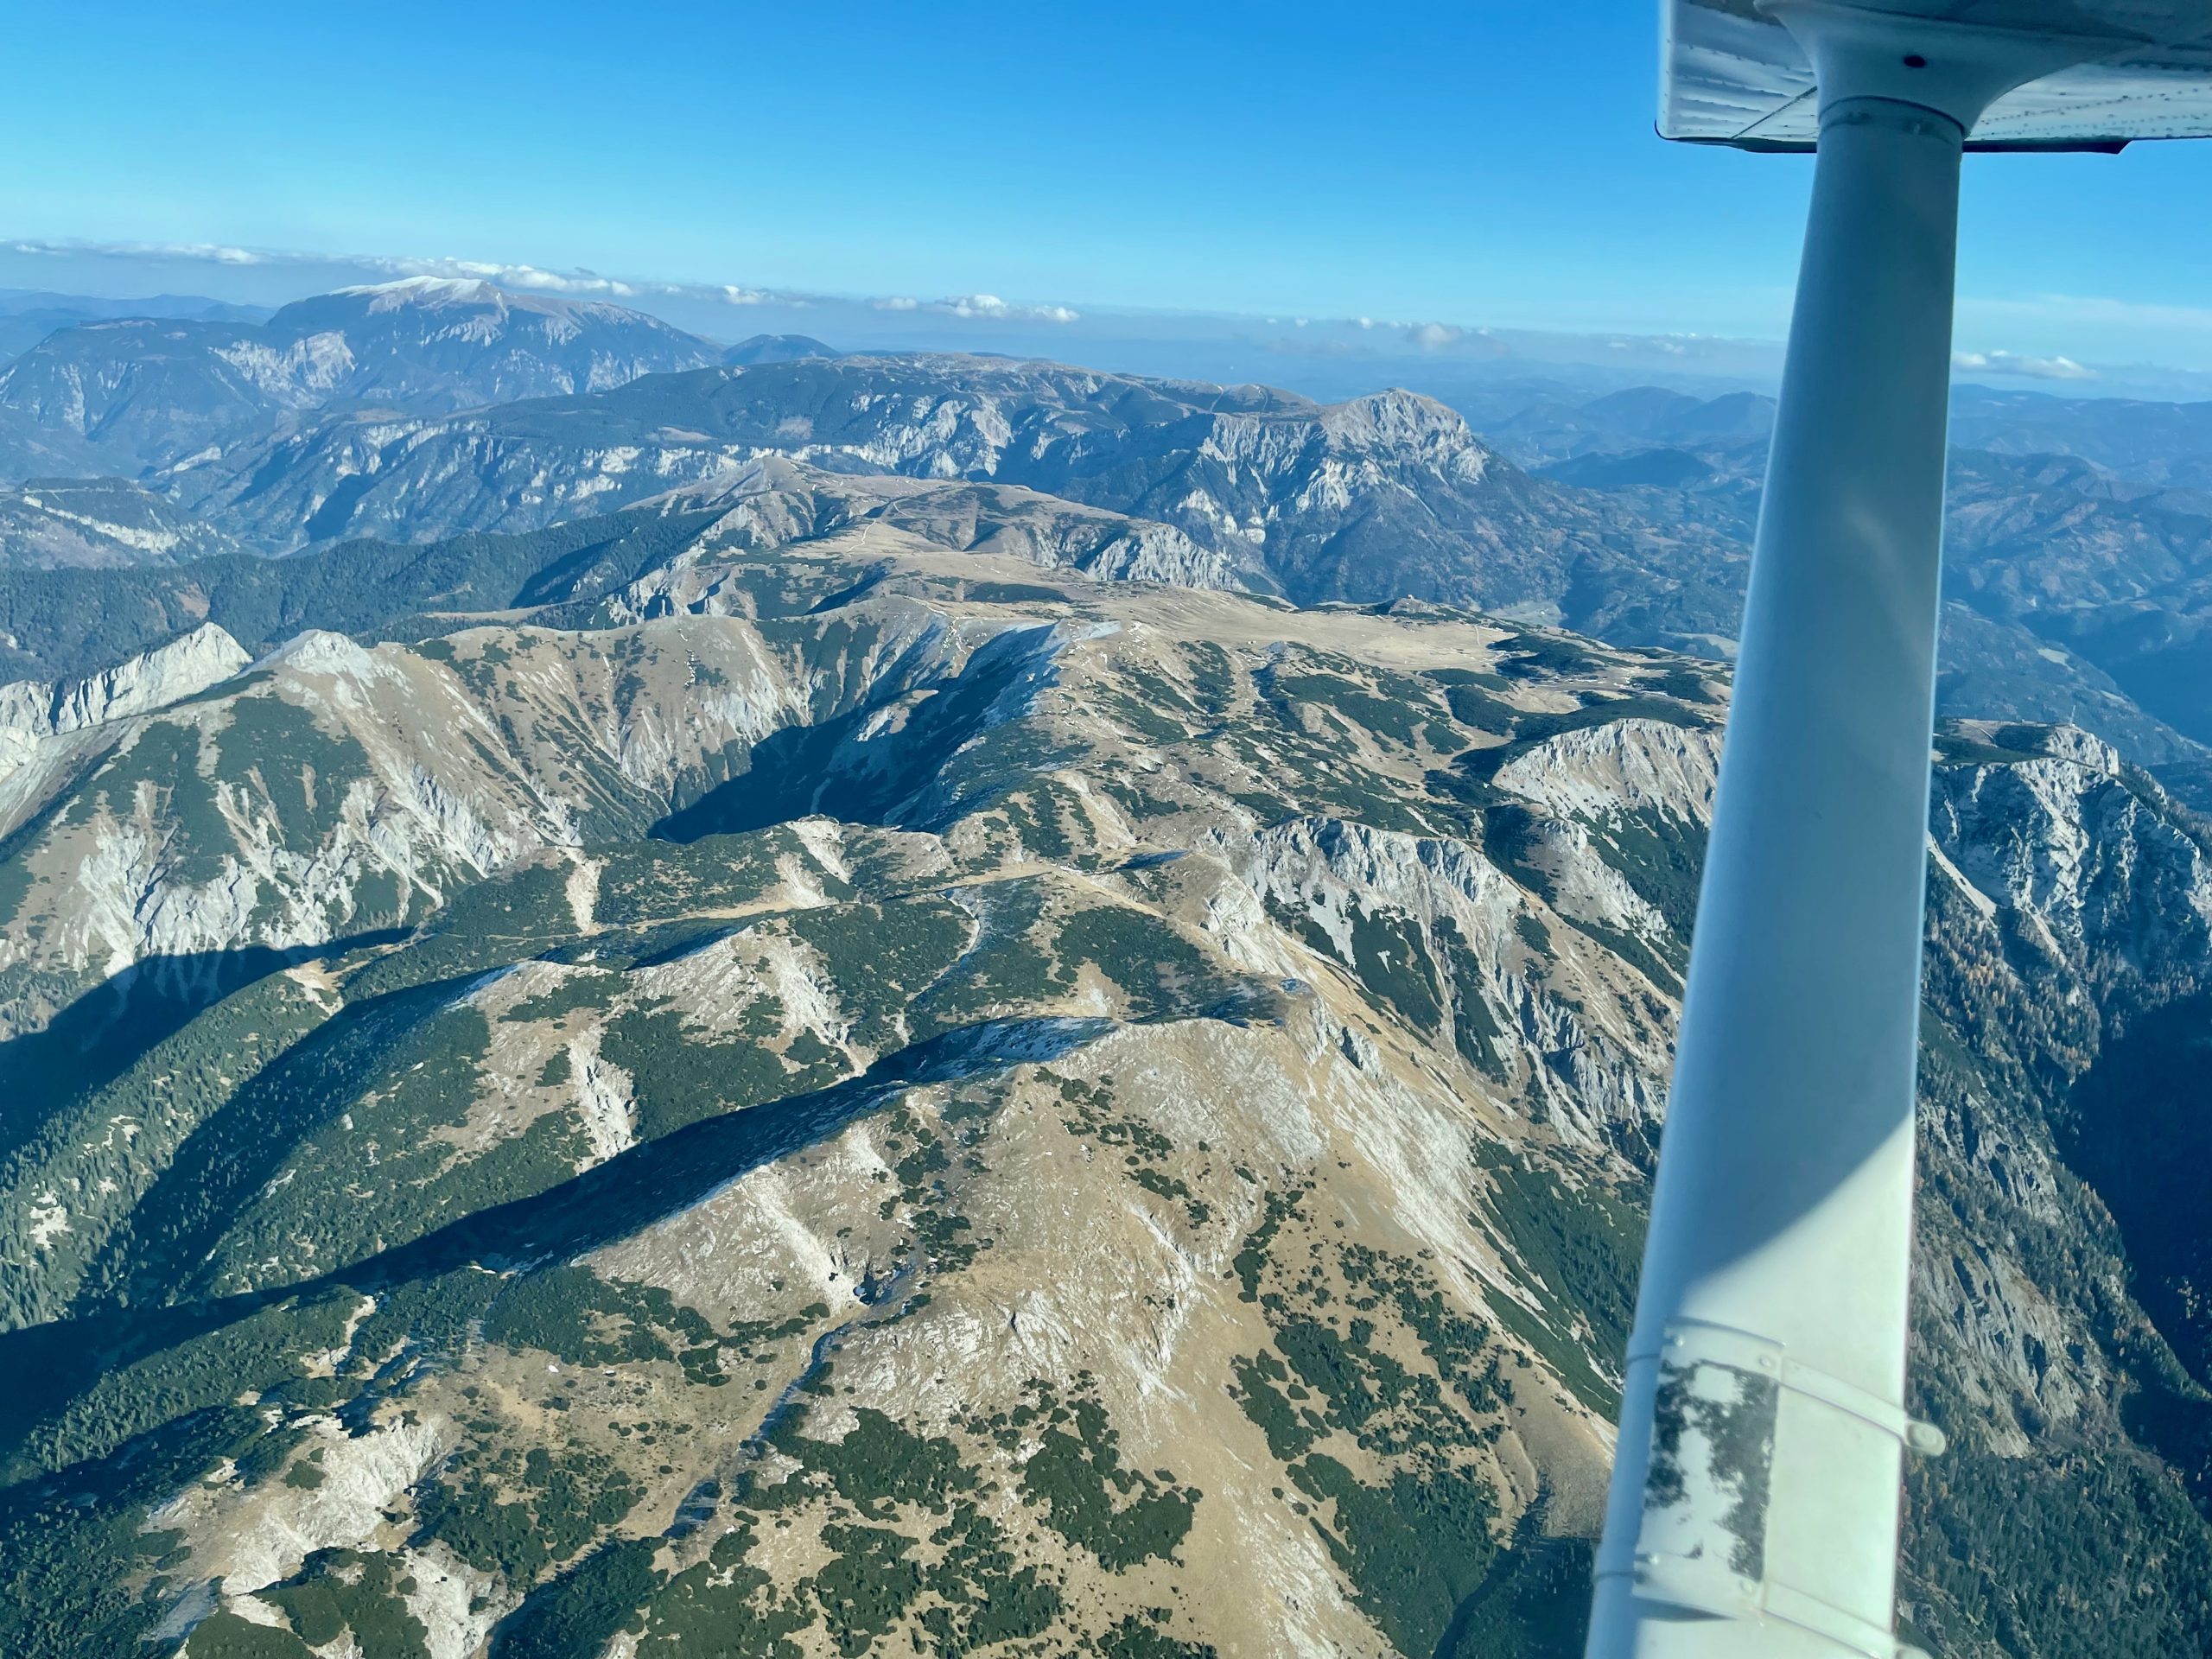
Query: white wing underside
{"points": [[1733, 76]]}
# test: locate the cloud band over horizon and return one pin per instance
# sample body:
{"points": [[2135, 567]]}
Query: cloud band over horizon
{"points": [[1738, 357]]}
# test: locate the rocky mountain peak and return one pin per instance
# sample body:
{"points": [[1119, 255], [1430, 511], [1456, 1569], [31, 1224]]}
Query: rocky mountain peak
{"points": [[430, 292], [32, 712]]}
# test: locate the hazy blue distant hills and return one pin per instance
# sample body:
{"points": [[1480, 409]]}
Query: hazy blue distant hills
{"points": [[2150, 443], [777, 348], [1622, 423], [2078, 550], [29, 316], [142, 393], [1661, 466], [2154, 442]]}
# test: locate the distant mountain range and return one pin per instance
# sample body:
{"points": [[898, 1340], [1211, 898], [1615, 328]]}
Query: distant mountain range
{"points": [[421, 411], [29, 316], [2078, 553], [135, 394], [1389, 495], [942, 1004]]}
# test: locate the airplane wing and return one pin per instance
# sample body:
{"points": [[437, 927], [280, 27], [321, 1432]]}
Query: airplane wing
{"points": [[1731, 75]]}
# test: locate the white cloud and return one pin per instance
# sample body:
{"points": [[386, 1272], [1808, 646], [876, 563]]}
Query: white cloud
{"points": [[1434, 336], [205, 252], [2029, 368], [990, 305]]}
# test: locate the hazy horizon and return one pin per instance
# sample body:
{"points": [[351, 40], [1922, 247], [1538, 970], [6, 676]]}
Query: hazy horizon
{"points": [[1448, 169], [1321, 356]]}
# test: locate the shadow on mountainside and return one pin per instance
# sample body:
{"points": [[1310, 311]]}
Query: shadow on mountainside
{"points": [[1535, 1601], [862, 765], [2138, 1130], [53, 1361], [107, 1030]]}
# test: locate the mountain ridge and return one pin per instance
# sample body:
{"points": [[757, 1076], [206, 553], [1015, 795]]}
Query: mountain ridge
{"points": [[146, 393], [1222, 922]]}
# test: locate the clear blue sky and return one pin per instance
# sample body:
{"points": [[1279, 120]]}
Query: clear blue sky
{"points": [[1488, 161]]}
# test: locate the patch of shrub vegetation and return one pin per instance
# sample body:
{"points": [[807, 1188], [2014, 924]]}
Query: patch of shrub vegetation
{"points": [[987, 1598], [1138, 1635], [1395, 720], [385, 1168], [573, 1314], [1156, 967], [883, 956], [575, 1615], [867, 1587], [1259, 1382], [519, 1515], [1251, 1258], [78, 1573], [1585, 1242], [340, 1589], [1476, 1032], [1414, 1547], [722, 1608], [212, 1369], [1534, 1604], [1390, 960], [1120, 1515], [225, 1635], [1213, 678], [647, 880], [879, 1464], [681, 1078], [583, 988]]}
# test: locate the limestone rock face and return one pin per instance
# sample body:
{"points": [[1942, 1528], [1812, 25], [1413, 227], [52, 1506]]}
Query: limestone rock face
{"points": [[61, 523], [31, 714], [1092, 1111], [1374, 499]]}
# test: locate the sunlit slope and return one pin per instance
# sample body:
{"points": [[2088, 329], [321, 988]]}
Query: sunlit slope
{"points": [[905, 1103]]}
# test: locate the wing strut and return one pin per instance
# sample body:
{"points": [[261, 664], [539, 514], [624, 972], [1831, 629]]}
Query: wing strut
{"points": [[1754, 1506]]}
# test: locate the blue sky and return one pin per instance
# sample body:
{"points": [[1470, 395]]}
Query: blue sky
{"points": [[1487, 162]]}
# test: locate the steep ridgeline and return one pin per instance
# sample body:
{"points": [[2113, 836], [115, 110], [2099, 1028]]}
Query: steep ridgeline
{"points": [[1367, 499], [33, 716], [770, 533], [98, 523], [2078, 581], [886, 1100], [137, 393]]}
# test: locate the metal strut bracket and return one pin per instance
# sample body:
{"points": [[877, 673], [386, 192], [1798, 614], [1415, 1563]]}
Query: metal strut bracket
{"points": [[1701, 1546], [1693, 1341]]}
